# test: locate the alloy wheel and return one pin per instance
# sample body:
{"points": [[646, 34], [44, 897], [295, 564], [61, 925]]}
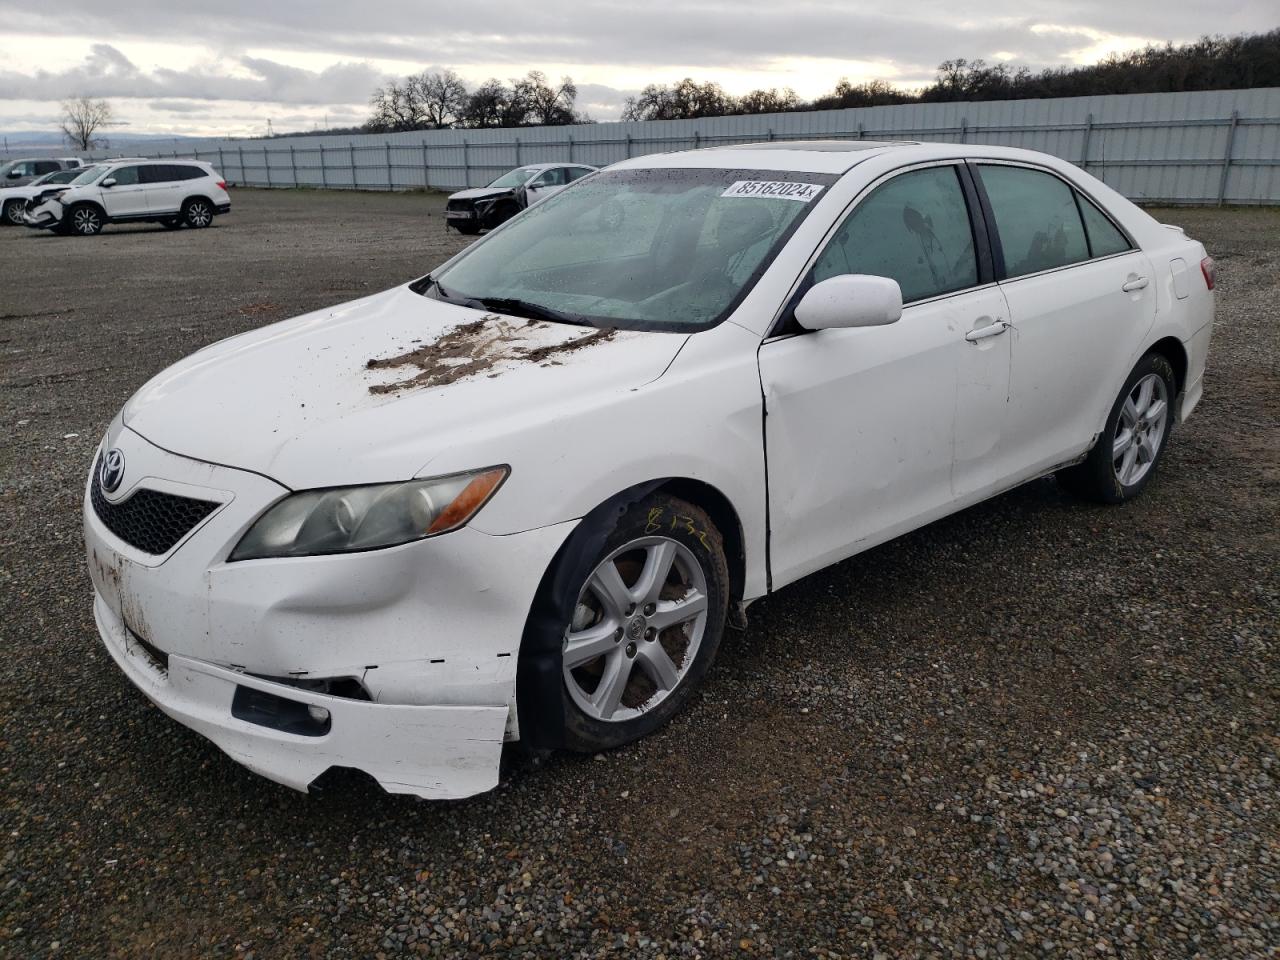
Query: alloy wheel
{"points": [[198, 214], [87, 221], [1141, 429], [13, 212], [636, 629]]}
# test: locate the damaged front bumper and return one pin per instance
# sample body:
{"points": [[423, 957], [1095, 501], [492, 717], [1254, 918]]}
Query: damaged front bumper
{"points": [[437, 752], [43, 216], [399, 662]]}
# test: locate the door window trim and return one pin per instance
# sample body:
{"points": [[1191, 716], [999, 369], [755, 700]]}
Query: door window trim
{"points": [[783, 324], [993, 231]]}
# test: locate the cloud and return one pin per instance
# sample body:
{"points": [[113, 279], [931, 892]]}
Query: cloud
{"points": [[107, 72]]}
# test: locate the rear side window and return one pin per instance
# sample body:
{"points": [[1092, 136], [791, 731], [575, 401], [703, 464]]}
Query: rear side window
{"points": [[1036, 217], [1105, 237], [156, 173], [914, 229]]}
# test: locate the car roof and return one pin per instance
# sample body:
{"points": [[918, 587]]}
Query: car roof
{"points": [[823, 156], [550, 166]]}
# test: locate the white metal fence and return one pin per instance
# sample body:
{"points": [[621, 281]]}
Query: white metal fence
{"points": [[1197, 148]]}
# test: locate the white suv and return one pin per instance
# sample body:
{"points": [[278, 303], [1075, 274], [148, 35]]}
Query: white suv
{"points": [[170, 192]]}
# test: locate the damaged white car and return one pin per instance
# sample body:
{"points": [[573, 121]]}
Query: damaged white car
{"points": [[522, 498]]}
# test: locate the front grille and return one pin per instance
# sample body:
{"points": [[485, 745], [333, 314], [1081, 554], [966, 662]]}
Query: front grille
{"points": [[458, 205], [148, 520]]}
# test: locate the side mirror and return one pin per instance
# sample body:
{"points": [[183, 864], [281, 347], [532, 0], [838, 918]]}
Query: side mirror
{"points": [[851, 300], [14, 174], [109, 182]]}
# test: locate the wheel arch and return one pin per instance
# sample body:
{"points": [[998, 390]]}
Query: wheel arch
{"points": [[1172, 349], [197, 196], [538, 681]]}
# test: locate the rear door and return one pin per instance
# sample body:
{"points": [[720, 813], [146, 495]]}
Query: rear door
{"points": [[127, 197], [1081, 302]]}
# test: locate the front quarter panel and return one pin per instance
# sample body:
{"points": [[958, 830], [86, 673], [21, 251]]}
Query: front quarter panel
{"points": [[700, 420]]}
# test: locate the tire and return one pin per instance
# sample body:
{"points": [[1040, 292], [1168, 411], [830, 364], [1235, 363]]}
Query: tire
{"points": [[1128, 451], [470, 229], [502, 215], [641, 617], [171, 223], [197, 213], [85, 220], [12, 213]]}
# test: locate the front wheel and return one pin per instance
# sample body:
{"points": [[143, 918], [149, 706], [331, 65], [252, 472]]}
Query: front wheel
{"points": [[646, 621], [1128, 451], [86, 220], [13, 213], [470, 229]]}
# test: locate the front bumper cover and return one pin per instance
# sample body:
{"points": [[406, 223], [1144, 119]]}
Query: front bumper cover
{"points": [[437, 752]]}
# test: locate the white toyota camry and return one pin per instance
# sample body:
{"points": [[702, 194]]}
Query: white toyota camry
{"points": [[523, 497]]}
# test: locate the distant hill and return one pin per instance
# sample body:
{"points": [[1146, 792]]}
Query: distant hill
{"points": [[45, 140]]}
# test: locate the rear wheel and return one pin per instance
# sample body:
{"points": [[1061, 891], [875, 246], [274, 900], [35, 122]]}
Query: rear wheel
{"points": [[86, 220], [197, 213], [1128, 451], [13, 212], [646, 621]]}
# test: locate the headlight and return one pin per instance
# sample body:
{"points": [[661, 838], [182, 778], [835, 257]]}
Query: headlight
{"points": [[346, 519]]}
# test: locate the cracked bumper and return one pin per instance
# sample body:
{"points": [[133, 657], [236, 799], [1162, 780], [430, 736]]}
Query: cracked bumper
{"points": [[437, 752]]}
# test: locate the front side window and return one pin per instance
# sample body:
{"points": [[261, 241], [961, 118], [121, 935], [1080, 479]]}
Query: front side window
{"points": [[515, 177], [577, 173], [652, 249], [125, 176], [17, 168], [46, 166], [550, 178], [1036, 217], [914, 229]]}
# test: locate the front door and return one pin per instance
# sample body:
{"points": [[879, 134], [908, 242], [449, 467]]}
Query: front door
{"points": [[127, 197], [863, 425]]}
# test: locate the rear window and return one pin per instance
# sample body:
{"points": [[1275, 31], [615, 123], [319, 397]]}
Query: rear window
{"points": [[1105, 237], [1037, 219]]}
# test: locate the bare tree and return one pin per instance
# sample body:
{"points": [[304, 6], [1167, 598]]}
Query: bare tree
{"points": [[82, 118], [442, 97]]}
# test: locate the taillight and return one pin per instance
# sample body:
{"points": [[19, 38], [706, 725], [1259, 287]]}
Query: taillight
{"points": [[1210, 271], [222, 185]]}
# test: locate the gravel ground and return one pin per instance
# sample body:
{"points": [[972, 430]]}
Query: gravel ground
{"points": [[1038, 728]]}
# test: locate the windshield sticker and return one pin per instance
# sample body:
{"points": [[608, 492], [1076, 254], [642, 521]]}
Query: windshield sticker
{"points": [[774, 189]]}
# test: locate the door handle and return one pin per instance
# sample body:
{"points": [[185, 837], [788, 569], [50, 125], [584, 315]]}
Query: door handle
{"points": [[1137, 283], [990, 330]]}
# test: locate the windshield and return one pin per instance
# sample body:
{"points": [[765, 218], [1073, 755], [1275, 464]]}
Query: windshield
{"points": [[58, 176], [88, 175], [656, 249], [515, 177]]}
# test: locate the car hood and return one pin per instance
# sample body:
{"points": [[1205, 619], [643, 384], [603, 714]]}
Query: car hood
{"points": [[481, 193], [373, 390]]}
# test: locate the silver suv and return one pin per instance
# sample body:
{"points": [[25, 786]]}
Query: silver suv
{"points": [[15, 173]]}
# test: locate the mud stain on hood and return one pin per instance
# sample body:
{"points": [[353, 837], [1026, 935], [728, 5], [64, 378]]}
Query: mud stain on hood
{"points": [[480, 346]]}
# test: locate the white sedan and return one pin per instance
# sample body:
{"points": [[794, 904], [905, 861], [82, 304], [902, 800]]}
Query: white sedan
{"points": [[523, 497]]}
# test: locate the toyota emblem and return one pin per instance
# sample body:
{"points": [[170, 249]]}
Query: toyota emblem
{"points": [[111, 472]]}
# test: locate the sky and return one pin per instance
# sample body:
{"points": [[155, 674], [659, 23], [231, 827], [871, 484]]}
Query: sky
{"points": [[226, 67]]}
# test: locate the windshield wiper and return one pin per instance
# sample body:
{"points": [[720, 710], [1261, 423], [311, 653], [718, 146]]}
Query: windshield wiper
{"points": [[524, 308]]}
